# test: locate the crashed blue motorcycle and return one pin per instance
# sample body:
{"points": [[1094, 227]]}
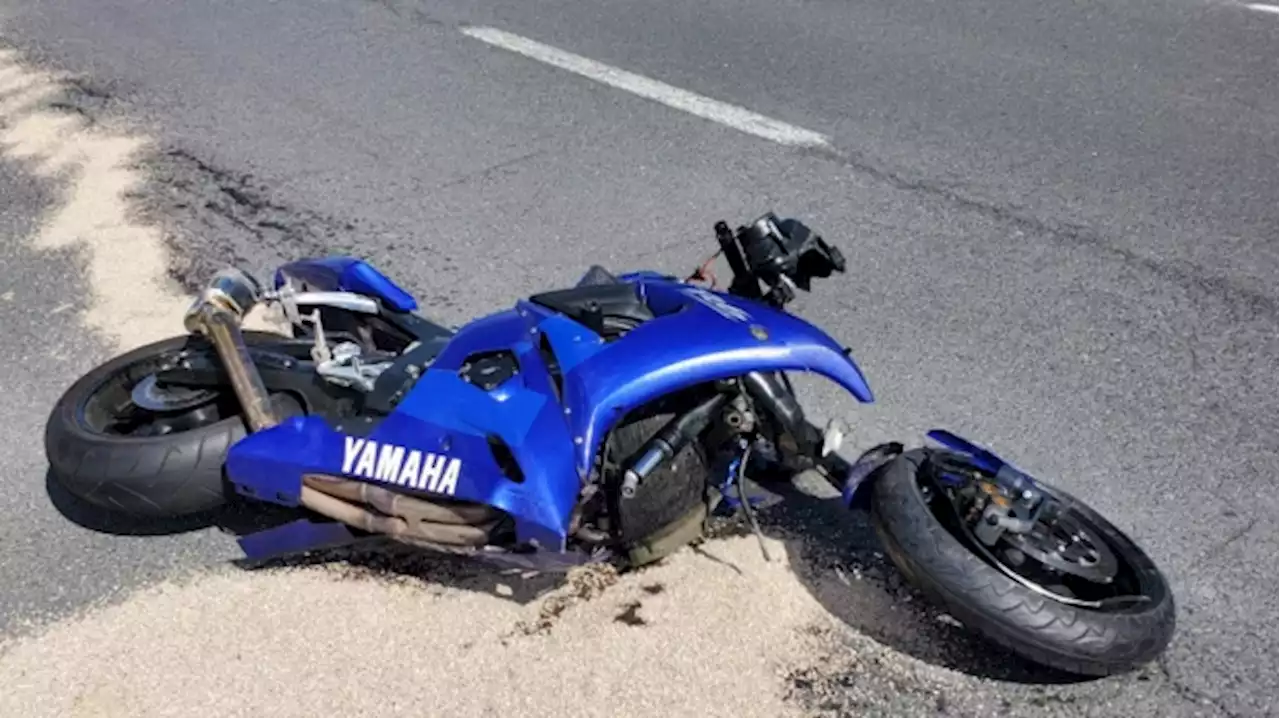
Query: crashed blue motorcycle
{"points": [[599, 422]]}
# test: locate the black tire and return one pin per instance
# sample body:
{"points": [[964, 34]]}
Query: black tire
{"points": [[169, 475], [1075, 639]]}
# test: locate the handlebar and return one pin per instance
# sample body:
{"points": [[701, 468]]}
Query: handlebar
{"points": [[784, 254]]}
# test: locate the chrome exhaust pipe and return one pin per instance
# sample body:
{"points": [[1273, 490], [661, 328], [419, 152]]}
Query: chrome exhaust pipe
{"points": [[218, 313], [398, 516]]}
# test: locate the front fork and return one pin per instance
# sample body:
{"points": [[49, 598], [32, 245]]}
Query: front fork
{"points": [[798, 441], [800, 447], [783, 437]]}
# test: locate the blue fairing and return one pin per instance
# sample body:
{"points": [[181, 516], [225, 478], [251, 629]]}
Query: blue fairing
{"points": [[347, 274], [453, 427], [700, 336], [444, 418], [983, 459]]}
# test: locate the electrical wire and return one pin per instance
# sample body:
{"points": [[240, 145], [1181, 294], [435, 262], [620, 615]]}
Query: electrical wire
{"points": [[746, 503]]}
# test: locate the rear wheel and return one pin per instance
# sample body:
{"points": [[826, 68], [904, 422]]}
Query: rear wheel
{"points": [[118, 440], [1074, 593]]}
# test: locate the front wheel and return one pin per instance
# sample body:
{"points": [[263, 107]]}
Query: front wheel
{"points": [[1074, 592]]}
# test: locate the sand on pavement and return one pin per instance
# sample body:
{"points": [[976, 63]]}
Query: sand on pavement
{"points": [[711, 634]]}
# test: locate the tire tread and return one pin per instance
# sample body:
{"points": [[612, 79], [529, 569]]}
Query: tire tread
{"points": [[1055, 634]]}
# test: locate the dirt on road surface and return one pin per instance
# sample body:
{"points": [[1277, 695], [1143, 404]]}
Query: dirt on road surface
{"points": [[713, 631], [694, 637]]}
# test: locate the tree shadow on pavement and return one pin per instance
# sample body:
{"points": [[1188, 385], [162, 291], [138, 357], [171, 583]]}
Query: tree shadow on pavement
{"points": [[837, 556]]}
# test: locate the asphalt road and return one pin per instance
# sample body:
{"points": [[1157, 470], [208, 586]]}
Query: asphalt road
{"points": [[1061, 218]]}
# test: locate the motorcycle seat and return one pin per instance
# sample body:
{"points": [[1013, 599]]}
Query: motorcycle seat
{"points": [[597, 294]]}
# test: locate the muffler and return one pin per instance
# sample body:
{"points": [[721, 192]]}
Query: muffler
{"points": [[218, 313]]}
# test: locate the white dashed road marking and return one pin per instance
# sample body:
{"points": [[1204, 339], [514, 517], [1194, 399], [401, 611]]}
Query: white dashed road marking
{"points": [[724, 113], [1260, 7]]}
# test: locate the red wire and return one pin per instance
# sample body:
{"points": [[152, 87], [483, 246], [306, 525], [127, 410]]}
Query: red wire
{"points": [[704, 271]]}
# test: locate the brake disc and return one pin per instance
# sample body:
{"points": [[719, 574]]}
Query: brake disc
{"points": [[1068, 547]]}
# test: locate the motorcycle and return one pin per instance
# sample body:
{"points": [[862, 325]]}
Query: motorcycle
{"points": [[600, 422]]}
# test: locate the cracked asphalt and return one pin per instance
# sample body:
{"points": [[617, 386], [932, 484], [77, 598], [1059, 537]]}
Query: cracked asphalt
{"points": [[1061, 221]]}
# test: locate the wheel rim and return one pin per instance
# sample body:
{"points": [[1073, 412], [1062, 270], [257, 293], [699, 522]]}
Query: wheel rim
{"points": [[1071, 554], [1067, 545], [131, 403]]}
